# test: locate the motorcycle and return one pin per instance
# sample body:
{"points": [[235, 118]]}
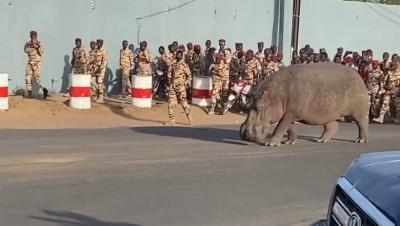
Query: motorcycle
{"points": [[238, 93], [160, 83]]}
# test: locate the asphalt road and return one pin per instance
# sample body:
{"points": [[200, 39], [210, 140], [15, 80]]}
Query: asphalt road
{"points": [[172, 176]]}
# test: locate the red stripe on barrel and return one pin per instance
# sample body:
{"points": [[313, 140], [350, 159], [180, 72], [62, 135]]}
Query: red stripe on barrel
{"points": [[3, 91], [142, 93], [79, 91], [201, 93]]}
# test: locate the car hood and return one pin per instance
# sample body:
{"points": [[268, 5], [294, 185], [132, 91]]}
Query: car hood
{"points": [[377, 176]]}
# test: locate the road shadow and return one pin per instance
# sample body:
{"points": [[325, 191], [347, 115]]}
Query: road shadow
{"points": [[65, 76], [217, 135], [66, 218]]}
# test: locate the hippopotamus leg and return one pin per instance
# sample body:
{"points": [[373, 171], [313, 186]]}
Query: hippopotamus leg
{"points": [[283, 126], [330, 130], [292, 135], [362, 123]]}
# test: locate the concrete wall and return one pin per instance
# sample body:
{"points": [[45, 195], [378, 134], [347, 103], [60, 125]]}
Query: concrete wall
{"points": [[324, 23]]}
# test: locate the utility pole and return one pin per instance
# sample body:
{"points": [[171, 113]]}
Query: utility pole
{"points": [[295, 26]]}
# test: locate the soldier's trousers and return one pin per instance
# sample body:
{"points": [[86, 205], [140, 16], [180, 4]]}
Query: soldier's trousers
{"points": [[386, 104], [219, 85], [144, 70], [80, 69], [98, 79], [126, 85], [33, 69], [374, 100], [177, 92]]}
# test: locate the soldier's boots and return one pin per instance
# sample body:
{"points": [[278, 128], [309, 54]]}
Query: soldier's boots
{"points": [[100, 100], [30, 95], [171, 122], [45, 93], [379, 119]]}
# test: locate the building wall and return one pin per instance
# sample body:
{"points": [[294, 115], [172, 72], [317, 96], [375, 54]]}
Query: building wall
{"points": [[323, 23]]}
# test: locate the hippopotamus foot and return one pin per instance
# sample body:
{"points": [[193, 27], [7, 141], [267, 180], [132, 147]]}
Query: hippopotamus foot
{"points": [[286, 124], [289, 141], [273, 143], [330, 130], [292, 136]]}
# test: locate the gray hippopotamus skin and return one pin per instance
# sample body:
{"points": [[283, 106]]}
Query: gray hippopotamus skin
{"points": [[314, 94]]}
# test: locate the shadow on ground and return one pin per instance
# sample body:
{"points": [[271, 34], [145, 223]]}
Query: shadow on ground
{"points": [[218, 135], [65, 218]]}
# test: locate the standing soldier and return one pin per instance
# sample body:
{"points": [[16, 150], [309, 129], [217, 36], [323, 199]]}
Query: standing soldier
{"points": [[208, 46], [253, 68], [91, 68], [226, 60], [126, 66], [238, 48], [392, 87], [260, 54], [35, 50], [180, 78], [375, 86], [189, 54], [100, 67], [198, 62], [80, 58], [218, 77], [144, 59]]}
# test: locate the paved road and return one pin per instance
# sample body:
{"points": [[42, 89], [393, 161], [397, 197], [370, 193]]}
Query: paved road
{"points": [[171, 176]]}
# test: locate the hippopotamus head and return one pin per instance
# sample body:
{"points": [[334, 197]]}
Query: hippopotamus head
{"points": [[263, 110]]}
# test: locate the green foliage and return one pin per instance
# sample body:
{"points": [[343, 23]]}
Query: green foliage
{"points": [[19, 91], [387, 2]]}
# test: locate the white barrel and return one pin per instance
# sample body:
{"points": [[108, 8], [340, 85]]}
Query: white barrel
{"points": [[142, 91], [3, 91], [80, 91], [202, 90]]}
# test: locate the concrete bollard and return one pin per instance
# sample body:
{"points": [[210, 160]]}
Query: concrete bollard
{"points": [[3, 91], [79, 91], [201, 91], [142, 91]]}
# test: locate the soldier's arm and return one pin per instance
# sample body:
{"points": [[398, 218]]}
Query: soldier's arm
{"points": [[105, 59], [73, 58], [120, 58], [188, 74], [149, 57], [40, 49], [26, 47], [131, 60], [86, 56]]}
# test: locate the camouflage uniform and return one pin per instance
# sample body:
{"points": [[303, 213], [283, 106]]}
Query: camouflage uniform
{"points": [[374, 87], [234, 70], [198, 64], [126, 65], [180, 78], [253, 69], [226, 60], [91, 70], [33, 68], [144, 59], [189, 58], [218, 81], [80, 59], [392, 87], [100, 66]]}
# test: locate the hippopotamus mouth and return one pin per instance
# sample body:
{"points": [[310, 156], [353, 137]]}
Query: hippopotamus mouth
{"points": [[253, 133]]}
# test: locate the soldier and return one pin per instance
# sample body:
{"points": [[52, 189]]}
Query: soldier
{"points": [[208, 46], [260, 54], [101, 61], [144, 59], [238, 48], [385, 64], [375, 86], [225, 61], [198, 62], [80, 58], [180, 78], [253, 68], [209, 60], [91, 68], [35, 50], [189, 54], [218, 77], [126, 66], [235, 68], [392, 89]]}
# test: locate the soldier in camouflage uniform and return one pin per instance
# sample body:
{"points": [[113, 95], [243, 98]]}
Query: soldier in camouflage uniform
{"points": [[198, 62], [253, 68], [126, 66], [144, 59], [80, 58], [100, 66], [375, 87], [218, 79], [35, 50], [91, 68], [392, 88], [180, 78]]}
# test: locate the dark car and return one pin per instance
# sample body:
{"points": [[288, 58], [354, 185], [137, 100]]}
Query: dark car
{"points": [[368, 194]]}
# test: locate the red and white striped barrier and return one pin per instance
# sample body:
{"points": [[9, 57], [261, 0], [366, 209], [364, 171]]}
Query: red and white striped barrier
{"points": [[202, 90], [142, 91], [3, 91], [80, 91]]}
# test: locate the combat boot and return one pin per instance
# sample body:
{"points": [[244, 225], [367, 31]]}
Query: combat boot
{"points": [[30, 95], [379, 119], [100, 100], [45, 93], [211, 111]]}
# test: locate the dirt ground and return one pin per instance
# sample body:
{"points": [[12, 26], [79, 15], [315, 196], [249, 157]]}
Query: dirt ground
{"points": [[55, 113]]}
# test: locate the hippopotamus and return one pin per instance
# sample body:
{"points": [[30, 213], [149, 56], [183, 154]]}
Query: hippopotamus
{"points": [[313, 94]]}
